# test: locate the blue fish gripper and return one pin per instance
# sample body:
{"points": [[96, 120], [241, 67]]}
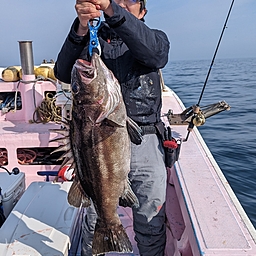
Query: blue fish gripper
{"points": [[94, 45]]}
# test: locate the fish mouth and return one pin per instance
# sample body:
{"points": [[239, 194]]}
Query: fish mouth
{"points": [[88, 73], [86, 69]]}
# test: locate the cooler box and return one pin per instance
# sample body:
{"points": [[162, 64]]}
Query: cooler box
{"points": [[42, 223], [13, 187]]}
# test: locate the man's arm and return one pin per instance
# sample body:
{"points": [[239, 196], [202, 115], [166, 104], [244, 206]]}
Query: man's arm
{"points": [[78, 37], [149, 46], [69, 53]]}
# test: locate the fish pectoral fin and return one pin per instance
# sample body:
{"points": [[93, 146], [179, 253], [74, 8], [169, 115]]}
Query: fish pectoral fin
{"points": [[128, 198], [116, 120], [77, 197], [113, 123], [134, 131], [110, 238]]}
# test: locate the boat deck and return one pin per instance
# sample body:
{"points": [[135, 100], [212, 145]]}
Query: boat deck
{"points": [[204, 217], [214, 222]]}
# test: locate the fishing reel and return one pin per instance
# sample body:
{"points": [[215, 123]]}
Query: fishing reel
{"points": [[196, 115]]}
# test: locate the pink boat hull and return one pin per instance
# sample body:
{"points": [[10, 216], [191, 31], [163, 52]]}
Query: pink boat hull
{"points": [[204, 216]]}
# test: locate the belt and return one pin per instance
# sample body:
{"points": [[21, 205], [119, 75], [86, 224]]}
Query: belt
{"points": [[148, 129]]}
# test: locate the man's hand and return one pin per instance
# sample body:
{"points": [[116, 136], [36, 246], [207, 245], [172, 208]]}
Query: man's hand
{"points": [[103, 5], [85, 12], [90, 9]]}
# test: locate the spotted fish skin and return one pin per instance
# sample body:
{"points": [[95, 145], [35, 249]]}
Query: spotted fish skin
{"points": [[100, 146]]}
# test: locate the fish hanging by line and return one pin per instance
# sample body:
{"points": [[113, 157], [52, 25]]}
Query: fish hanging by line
{"points": [[97, 146]]}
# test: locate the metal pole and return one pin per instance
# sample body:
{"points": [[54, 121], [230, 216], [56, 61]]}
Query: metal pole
{"points": [[26, 57]]}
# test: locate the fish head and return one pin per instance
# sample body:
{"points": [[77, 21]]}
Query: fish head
{"points": [[94, 84]]}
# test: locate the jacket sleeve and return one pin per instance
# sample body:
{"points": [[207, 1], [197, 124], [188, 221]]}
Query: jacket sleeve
{"points": [[69, 53], [149, 46]]}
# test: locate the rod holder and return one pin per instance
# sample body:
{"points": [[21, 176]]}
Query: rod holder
{"points": [[26, 57]]}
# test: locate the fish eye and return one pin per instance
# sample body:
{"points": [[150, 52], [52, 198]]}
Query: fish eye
{"points": [[75, 88]]}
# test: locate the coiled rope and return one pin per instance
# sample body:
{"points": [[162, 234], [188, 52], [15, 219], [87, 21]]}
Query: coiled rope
{"points": [[47, 111], [3, 157], [24, 156]]}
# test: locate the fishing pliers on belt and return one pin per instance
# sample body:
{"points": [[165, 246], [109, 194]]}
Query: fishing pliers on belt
{"points": [[94, 45]]}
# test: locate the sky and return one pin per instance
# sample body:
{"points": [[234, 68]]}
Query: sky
{"points": [[192, 26]]}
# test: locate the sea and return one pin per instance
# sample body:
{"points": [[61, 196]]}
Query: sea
{"points": [[230, 135]]}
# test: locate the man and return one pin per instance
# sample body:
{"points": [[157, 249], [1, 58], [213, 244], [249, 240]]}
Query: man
{"points": [[134, 53]]}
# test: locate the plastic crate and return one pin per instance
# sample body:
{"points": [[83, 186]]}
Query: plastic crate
{"points": [[42, 223], [13, 186]]}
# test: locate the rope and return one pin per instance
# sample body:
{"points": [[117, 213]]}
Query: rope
{"points": [[47, 111], [3, 157], [26, 156]]}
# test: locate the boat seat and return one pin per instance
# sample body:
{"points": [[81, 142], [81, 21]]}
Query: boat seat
{"points": [[47, 174]]}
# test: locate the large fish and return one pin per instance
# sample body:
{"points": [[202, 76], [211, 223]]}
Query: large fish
{"points": [[98, 148]]}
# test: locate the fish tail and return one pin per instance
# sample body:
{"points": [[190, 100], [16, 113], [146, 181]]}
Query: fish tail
{"points": [[110, 239]]}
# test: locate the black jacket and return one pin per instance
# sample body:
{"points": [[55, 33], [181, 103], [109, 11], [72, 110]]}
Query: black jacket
{"points": [[133, 52]]}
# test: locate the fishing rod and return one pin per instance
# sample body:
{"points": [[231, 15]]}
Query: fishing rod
{"points": [[215, 53], [191, 125]]}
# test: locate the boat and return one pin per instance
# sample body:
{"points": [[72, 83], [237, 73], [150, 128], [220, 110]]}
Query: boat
{"points": [[203, 215]]}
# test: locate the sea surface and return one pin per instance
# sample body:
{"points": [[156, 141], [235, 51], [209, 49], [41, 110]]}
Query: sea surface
{"points": [[230, 135]]}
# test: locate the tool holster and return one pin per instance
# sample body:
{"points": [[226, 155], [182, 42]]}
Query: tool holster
{"points": [[171, 145]]}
